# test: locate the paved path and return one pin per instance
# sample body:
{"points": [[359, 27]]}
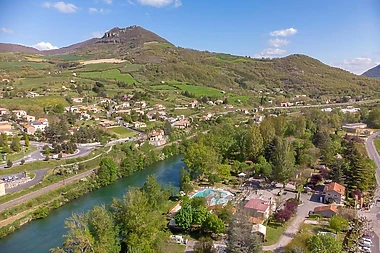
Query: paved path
{"points": [[293, 227], [44, 190], [38, 178], [374, 213]]}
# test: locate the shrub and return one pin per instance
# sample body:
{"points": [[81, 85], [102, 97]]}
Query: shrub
{"points": [[283, 215]]}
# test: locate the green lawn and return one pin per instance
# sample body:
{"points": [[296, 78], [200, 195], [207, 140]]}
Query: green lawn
{"points": [[99, 67], [274, 232], [199, 90], [15, 65], [27, 103], [68, 57], [21, 154], [163, 87], [113, 74], [377, 145], [234, 100], [121, 132]]}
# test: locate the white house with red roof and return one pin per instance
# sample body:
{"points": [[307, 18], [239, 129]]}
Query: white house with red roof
{"points": [[258, 208]]}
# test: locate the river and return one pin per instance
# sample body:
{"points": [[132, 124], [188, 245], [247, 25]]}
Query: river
{"points": [[41, 235]]}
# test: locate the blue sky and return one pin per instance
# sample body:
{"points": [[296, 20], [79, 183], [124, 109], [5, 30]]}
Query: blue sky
{"points": [[343, 33]]}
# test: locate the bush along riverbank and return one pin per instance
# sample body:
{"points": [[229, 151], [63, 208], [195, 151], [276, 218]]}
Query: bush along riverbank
{"points": [[124, 160]]}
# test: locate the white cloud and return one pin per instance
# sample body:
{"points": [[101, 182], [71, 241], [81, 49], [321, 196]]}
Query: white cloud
{"points": [[61, 7], [278, 42], [107, 1], [131, 2], [97, 34], [5, 30], [271, 52], [45, 46], [284, 32], [101, 11], [357, 65], [160, 3]]}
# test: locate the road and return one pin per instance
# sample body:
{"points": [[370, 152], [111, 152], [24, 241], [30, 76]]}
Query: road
{"points": [[38, 156], [44, 190], [38, 178], [292, 230], [374, 213]]}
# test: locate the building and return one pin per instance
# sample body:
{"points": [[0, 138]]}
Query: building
{"points": [[194, 104], [29, 129], [19, 113], [350, 109], [38, 126], [77, 100], [334, 192], [141, 104], [259, 229], [138, 124], [3, 111], [44, 121], [181, 124], [5, 127], [29, 118], [258, 208], [326, 211], [32, 95], [157, 138], [357, 128]]}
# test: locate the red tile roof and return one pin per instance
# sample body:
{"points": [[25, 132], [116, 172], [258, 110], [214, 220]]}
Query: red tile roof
{"points": [[257, 204], [325, 208], [335, 187]]}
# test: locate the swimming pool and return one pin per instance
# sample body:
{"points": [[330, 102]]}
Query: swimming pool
{"points": [[215, 196]]}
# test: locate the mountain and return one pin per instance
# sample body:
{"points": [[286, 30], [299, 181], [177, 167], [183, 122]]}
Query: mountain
{"points": [[154, 59], [373, 72], [13, 48], [130, 37]]}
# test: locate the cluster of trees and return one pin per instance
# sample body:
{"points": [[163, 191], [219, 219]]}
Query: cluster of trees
{"points": [[288, 210], [324, 244], [57, 132], [133, 223], [14, 145], [193, 215]]}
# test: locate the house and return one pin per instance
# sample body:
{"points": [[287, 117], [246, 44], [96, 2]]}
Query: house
{"points": [[326, 211], [74, 74], [219, 102], [334, 192], [259, 229], [5, 127], [259, 118], [32, 95], [29, 130], [43, 121], [159, 107], [19, 113], [357, 128], [157, 138], [181, 124], [38, 126], [139, 124], [228, 106], [29, 118], [77, 100], [141, 104], [350, 109], [3, 111], [106, 123], [194, 104], [258, 208]]}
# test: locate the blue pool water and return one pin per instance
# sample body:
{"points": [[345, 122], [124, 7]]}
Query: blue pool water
{"points": [[214, 197]]}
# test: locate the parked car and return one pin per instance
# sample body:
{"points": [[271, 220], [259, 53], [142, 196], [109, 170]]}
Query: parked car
{"points": [[365, 249]]}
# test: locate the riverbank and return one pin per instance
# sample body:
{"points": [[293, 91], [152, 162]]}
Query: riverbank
{"points": [[53, 197], [43, 234]]}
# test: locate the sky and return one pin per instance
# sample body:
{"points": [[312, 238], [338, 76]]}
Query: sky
{"points": [[341, 33]]}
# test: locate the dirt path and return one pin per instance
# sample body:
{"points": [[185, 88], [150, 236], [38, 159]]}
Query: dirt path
{"points": [[39, 192], [15, 217]]}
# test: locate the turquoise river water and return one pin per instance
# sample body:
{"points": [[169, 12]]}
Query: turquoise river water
{"points": [[41, 235]]}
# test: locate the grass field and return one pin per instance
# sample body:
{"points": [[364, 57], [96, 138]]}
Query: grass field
{"points": [[113, 74], [27, 103], [130, 68], [21, 154], [99, 67], [199, 90], [163, 87], [377, 145], [121, 132], [20, 65], [68, 57], [234, 100]]}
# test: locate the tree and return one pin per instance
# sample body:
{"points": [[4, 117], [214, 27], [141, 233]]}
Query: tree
{"points": [[9, 163], [240, 237], [213, 224], [283, 215], [297, 250], [263, 168], [155, 192], [282, 159], [27, 141], [324, 244], [251, 144], [204, 245], [338, 223], [200, 159], [373, 120], [107, 172], [94, 231], [15, 145], [184, 217]]}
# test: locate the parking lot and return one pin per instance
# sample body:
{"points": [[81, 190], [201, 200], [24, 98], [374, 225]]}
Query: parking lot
{"points": [[13, 177]]}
